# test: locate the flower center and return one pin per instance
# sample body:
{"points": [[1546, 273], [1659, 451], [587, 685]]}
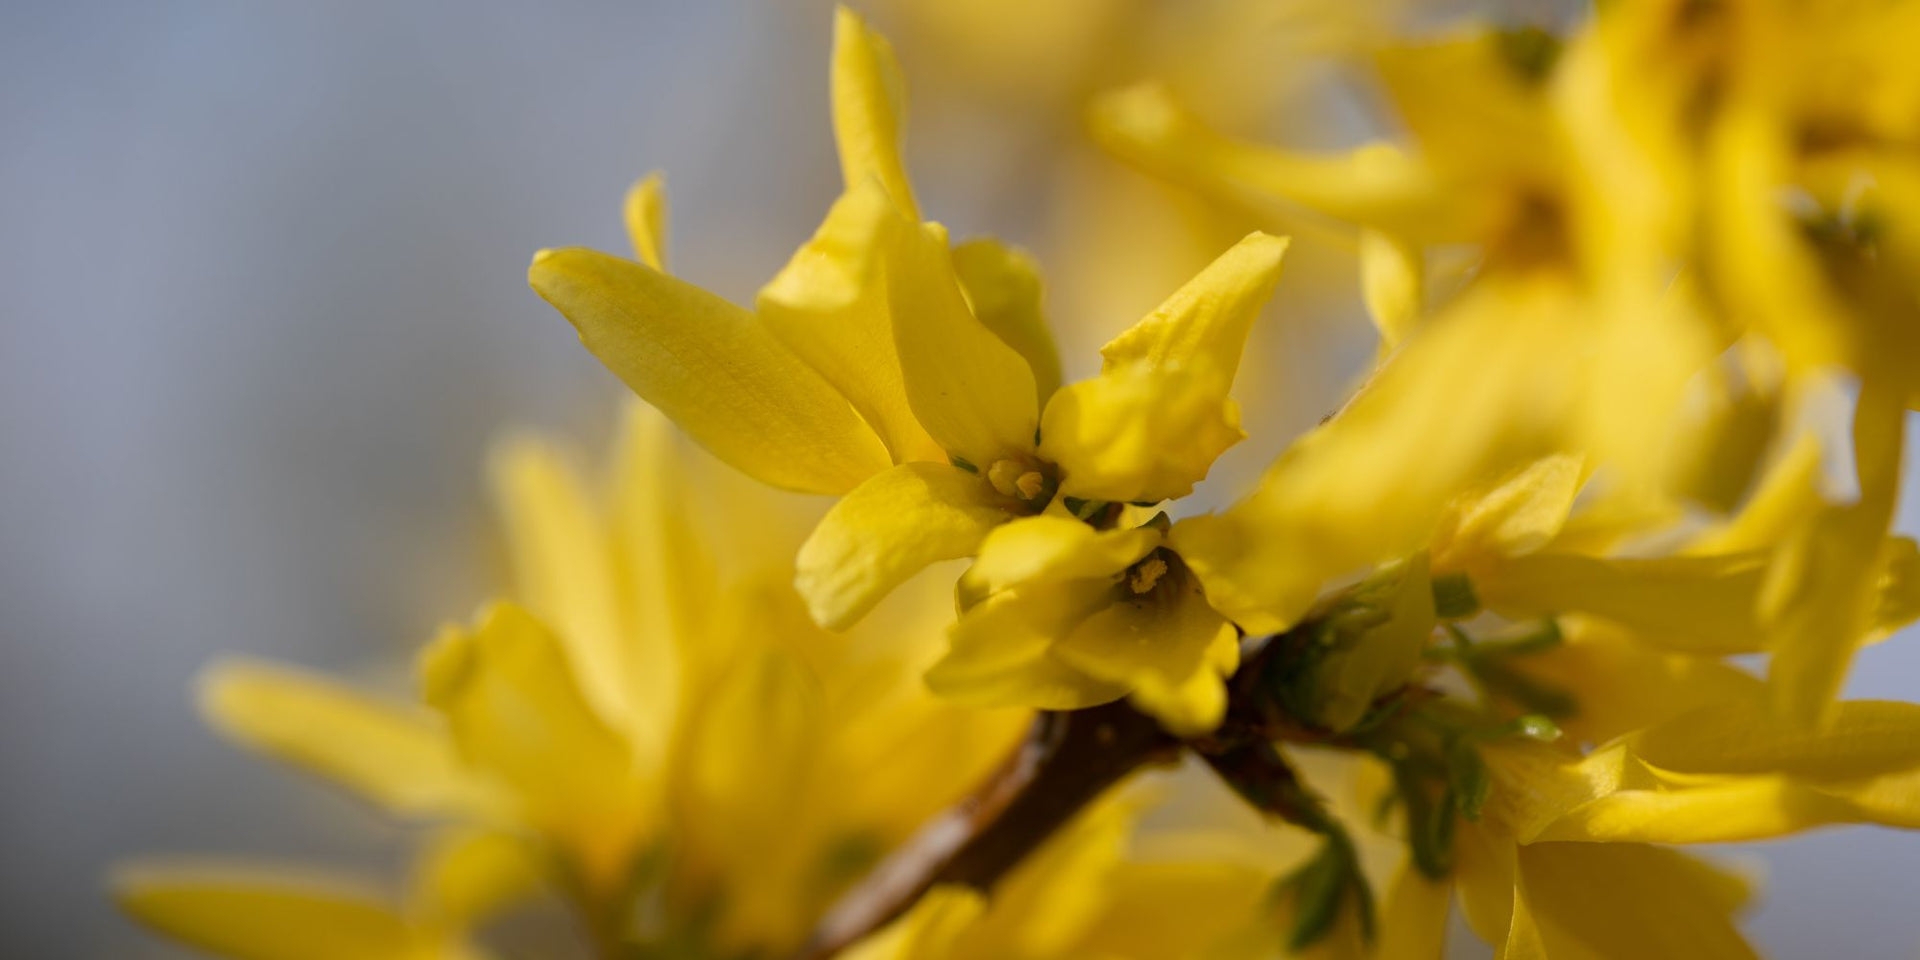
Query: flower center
{"points": [[1017, 480], [1146, 574]]}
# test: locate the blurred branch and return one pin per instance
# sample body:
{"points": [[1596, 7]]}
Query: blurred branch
{"points": [[1066, 762]]}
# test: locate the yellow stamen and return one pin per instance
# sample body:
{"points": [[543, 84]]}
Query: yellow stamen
{"points": [[1030, 484], [1004, 475], [1146, 574]]}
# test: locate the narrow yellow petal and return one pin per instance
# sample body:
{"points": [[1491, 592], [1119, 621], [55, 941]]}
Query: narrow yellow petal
{"points": [[1889, 799], [1864, 738], [259, 913], [1823, 588], [1204, 324], [1377, 185], [886, 530], [1171, 651], [394, 754], [1002, 284], [1622, 684], [708, 365], [665, 573], [974, 394], [1413, 920], [1046, 549], [1483, 873], [563, 567], [753, 741], [1788, 495], [869, 109], [516, 711], [1594, 901], [829, 306], [646, 215], [467, 876], [1740, 809], [1393, 285], [1702, 605], [1151, 424], [1002, 651], [1519, 516], [930, 931]]}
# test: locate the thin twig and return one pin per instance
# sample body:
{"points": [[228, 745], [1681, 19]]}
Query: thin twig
{"points": [[1065, 763]]}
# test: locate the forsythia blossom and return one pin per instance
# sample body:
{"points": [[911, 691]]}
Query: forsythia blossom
{"points": [[1648, 304]]}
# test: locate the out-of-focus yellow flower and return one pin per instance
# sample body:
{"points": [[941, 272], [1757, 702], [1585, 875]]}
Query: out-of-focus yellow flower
{"points": [[647, 724], [937, 360], [1639, 197]]}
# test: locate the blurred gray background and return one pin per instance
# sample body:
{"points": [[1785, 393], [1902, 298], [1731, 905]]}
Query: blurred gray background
{"points": [[262, 303]]}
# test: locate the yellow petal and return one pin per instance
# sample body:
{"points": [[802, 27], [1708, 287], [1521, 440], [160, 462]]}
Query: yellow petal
{"points": [[1167, 647], [1169, 909], [255, 913], [1594, 901], [1823, 587], [1002, 284], [665, 574], [1002, 650], [1377, 184], [1046, 549], [753, 743], [829, 306], [1622, 685], [563, 568], [467, 876], [392, 753], [886, 530], [646, 215], [869, 109], [1483, 872], [1393, 284], [1138, 435], [1150, 426], [1740, 809], [1787, 496], [1047, 903], [517, 712], [708, 365], [1702, 605], [974, 394], [929, 931], [1864, 738], [1413, 920], [1519, 516], [1889, 799]]}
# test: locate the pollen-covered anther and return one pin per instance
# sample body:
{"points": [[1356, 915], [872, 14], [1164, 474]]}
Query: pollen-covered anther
{"points": [[1013, 479], [1030, 484], [1146, 574]]}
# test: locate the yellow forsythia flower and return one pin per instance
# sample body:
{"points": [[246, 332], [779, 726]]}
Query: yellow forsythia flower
{"points": [[917, 380], [652, 719]]}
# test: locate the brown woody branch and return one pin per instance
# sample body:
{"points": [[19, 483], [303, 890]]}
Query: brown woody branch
{"points": [[1066, 762]]}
